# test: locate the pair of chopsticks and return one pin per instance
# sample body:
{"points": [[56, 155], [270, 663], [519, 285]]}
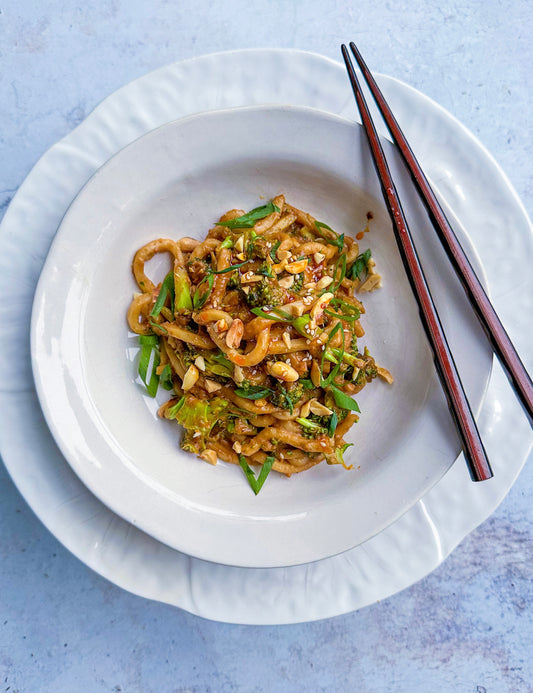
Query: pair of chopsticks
{"points": [[502, 346]]}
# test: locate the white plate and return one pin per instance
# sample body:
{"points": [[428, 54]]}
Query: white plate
{"points": [[483, 199], [176, 181]]}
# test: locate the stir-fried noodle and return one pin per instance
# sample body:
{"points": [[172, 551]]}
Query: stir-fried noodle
{"points": [[255, 330]]}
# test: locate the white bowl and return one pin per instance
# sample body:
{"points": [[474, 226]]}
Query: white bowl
{"points": [[175, 182]]}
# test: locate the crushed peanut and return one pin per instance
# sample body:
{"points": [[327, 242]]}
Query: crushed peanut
{"points": [[286, 282], [199, 362], [282, 371], [235, 334], [318, 408], [250, 277], [190, 377], [212, 386], [297, 267], [324, 282], [209, 456]]}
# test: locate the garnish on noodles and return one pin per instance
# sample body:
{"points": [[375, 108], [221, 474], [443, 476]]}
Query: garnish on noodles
{"points": [[255, 329]]}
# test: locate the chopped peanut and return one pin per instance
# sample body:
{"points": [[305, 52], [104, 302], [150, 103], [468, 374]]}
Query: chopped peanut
{"points": [[212, 386], [238, 374], [250, 277], [286, 282], [315, 374], [284, 255], [190, 377], [306, 408], [209, 456], [320, 306], [297, 267], [384, 373], [282, 371], [294, 309], [318, 408], [199, 362], [234, 334], [324, 282]]}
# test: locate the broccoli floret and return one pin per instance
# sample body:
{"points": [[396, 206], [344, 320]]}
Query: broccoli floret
{"points": [[233, 282], [298, 282], [198, 417], [265, 293], [189, 355], [216, 364], [312, 429], [287, 397], [266, 270], [256, 246]]}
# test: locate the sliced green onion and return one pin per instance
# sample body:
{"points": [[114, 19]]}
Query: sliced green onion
{"points": [[274, 250], [231, 268], [148, 340], [182, 291], [347, 358], [226, 243], [301, 323], [341, 316], [342, 261], [200, 298], [158, 326], [172, 411], [247, 221], [332, 427], [329, 356], [337, 241], [342, 400], [307, 383], [165, 377], [287, 399], [167, 288], [254, 392], [222, 360], [360, 265], [148, 362], [257, 484], [280, 315], [325, 382]]}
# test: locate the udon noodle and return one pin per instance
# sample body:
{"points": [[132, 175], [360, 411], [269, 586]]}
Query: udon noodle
{"points": [[255, 330]]}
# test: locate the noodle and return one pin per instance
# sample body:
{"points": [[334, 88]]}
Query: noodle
{"points": [[255, 330]]}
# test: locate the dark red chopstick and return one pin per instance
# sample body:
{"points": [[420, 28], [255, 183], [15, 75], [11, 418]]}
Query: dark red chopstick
{"points": [[474, 451], [498, 337]]}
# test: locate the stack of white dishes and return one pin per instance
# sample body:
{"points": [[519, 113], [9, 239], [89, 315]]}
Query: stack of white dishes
{"points": [[163, 157]]}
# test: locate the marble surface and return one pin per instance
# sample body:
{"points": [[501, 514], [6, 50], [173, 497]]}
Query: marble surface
{"points": [[466, 627]]}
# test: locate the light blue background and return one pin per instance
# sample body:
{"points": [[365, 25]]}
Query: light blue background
{"points": [[468, 626]]}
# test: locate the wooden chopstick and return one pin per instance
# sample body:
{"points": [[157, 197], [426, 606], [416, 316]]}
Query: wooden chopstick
{"points": [[495, 331], [474, 451]]}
